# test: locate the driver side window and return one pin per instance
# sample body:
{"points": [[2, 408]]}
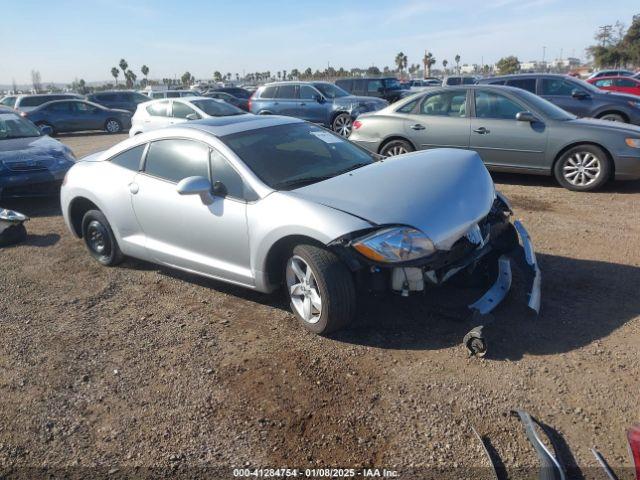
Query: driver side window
{"points": [[222, 171], [182, 110], [494, 105], [176, 159], [445, 104], [308, 93]]}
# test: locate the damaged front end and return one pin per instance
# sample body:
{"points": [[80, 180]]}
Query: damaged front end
{"points": [[404, 260]]}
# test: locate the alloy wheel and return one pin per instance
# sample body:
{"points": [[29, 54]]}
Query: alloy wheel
{"points": [[582, 169], [396, 150], [303, 290], [113, 126], [343, 125]]}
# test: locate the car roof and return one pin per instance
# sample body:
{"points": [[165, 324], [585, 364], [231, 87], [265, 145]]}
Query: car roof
{"points": [[23, 95], [614, 77], [221, 126]]}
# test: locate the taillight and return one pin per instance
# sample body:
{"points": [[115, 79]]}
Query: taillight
{"points": [[249, 101], [633, 436], [357, 124]]}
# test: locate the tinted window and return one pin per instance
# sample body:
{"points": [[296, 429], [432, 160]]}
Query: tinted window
{"points": [[392, 84], [221, 171], [289, 156], [286, 91], [625, 82], [493, 105], [157, 95], [359, 85], [557, 86], [59, 107], [408, 108], [13, 126], [160, 109], [139, 98], [130, 159], [330, 91], [528, 84], [268, 92], [346, 84], [35, 101], [181, 110], [497, 82], [177, 159], [83, 107], [8, 101], [172, 95], [448, 104], [374, 86], [308, 93], [453, 81], [468, 80]]}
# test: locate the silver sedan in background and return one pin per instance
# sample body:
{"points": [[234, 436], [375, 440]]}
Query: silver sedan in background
{"points": [[265, 201], [511, 129], [167, 112]]}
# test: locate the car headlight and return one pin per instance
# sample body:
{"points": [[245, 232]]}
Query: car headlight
{"points": [[633, 142], [397, 244], [634, 104]]}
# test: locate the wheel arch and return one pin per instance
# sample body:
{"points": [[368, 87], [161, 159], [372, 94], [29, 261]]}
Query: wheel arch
{"points": [[568, 147], [614, 112], [78, 207], [278, 252], [395, 137]]}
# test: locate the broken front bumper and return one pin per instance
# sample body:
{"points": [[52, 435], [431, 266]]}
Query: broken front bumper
{"points": [[524, 255]]}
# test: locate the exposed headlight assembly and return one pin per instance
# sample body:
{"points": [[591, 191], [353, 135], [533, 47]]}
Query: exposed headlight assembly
{"points": [[393, 245], [633, 142]]}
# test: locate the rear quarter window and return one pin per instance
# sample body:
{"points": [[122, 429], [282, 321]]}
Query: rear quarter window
{"points": [[130, 159], [268, 92]]}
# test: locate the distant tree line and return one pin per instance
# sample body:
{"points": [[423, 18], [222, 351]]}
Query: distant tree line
{"points": [[617, 46]]}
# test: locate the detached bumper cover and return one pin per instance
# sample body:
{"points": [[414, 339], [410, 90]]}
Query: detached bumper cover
{"points": [[498, 291]]}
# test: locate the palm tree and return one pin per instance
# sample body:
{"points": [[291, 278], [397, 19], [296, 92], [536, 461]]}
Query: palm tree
{"points": [[401, 61], [428, 61], [444, 65], [131, 78], [457, 59], [123, 66], [145, 71], [115, 72]]}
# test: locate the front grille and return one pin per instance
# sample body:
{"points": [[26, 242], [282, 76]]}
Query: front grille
{"points": [[26, 166]]}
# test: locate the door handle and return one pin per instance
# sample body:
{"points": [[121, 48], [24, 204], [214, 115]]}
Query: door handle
{"points": [[482, 131], [134, 188], [417, 126]]}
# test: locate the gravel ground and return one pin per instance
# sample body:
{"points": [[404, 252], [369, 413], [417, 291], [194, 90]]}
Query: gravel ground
{"points": [[143, 366]]}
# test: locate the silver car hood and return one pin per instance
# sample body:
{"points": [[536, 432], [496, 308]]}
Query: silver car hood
{"points": [[442, 192]]}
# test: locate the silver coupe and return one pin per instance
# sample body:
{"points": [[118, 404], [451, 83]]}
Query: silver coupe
{"points": [[265, 201]]}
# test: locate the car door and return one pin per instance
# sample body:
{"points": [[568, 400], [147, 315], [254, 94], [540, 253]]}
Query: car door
{"points": [[60, 115], [499, 138], [87, 116], [568, 95], [439, 119], [310, 109], [626, 85], [286, 101], [208, 237]]}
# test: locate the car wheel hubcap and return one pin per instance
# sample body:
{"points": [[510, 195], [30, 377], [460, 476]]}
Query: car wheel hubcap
{"points": [[113, 126], [98, 239], [343, 125], [396, 150], [582, 169], [303, 290]]}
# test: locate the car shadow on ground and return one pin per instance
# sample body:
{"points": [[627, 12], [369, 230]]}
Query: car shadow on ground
{"points": [[582, 301], [622, 187]]}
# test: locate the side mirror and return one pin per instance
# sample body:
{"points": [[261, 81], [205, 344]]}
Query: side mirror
{"points": [[193, 116], [219, 189], [579, 94], [46, 130], [196, 186], [526, 117]]}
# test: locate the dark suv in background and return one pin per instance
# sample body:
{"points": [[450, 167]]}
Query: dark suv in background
{"points": [[575, 96], [125, 100], [318, 102], [388, 88]]}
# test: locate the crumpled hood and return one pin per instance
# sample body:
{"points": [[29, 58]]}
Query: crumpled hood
{"points": [[33, 148], [442, 192]]}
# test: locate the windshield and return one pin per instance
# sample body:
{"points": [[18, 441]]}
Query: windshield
{"points": [[545, 107], [13, 126], [217, 108], [290, 156], [331, 91]]}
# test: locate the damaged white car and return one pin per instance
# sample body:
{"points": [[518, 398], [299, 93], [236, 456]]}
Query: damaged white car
{"points": [[267, 201]]}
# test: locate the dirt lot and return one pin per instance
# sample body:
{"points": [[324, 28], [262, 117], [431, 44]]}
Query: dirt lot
{"points": [[142, 366]]}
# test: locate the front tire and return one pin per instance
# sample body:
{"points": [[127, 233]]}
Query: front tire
{"points": [[320, 289], [113, 126], [99, 239], [342, 125], [583, 168], [45, 124], [396, 147], [613, 117]]}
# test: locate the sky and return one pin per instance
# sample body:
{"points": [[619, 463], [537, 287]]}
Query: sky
{"points": [[70, 39]]}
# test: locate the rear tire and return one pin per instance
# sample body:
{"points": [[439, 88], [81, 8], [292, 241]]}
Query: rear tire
{"points": [[320, 288], [583, 168], [99, 239], [45, 124], [342, 125], [396, 147], [613, 117], [113, 126]]}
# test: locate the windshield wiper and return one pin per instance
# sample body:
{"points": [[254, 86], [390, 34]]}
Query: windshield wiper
{"points": [[298, 182]]}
